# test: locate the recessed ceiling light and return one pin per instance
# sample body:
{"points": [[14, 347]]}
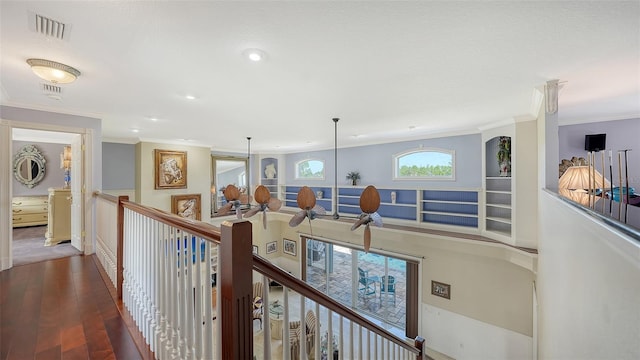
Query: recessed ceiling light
{"points": [[153, 118], [412, 127], [135, 130], [190, 97], [254, 55]]}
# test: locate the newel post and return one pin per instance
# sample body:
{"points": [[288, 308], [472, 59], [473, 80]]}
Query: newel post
{"points": [[419, 344], [236, 278]]}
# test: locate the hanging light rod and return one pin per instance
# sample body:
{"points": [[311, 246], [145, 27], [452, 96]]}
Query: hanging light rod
{"points": [[249, 170], [335, 165]]}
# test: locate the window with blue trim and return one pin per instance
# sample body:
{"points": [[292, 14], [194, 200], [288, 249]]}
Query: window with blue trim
{"points": [[428, 163]]}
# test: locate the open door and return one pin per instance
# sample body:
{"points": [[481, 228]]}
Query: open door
{"points": [[77, 193]]}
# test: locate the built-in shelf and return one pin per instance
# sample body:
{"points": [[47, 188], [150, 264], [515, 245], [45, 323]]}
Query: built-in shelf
{"points": [[270, 182], [497, 193], [436, 207]]}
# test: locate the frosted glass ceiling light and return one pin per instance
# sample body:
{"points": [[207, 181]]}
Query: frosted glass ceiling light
{"points": [[52, 71]]}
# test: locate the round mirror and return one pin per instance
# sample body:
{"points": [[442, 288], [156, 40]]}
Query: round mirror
{"points": [[28, 166]]}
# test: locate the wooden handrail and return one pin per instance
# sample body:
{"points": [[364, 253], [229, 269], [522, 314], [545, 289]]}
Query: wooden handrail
{"points": [[195, 227], [275, 273], [107, 197], [238, 295]]}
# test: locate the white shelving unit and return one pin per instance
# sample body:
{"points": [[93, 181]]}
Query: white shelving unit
{"points": [[498, 196], [270, 183]]}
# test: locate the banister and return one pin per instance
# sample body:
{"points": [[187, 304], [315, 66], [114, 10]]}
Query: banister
{"points": [[108, 197], [235, 284], [274, 272], [195, 227]]}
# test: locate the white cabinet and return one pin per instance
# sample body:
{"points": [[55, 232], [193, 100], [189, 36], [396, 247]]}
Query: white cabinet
{"points": [[29, 210], [59, 222]]}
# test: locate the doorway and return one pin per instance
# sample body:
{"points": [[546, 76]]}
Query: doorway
{"points": [[37, 235]]}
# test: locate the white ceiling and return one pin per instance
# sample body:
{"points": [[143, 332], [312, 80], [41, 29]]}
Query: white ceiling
{"points": [[388, 70]]}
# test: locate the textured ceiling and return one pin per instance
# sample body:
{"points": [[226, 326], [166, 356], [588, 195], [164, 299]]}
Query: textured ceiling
{"points": [[388, 70]]}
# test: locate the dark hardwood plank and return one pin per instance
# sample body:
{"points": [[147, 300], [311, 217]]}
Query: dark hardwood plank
{"points": [[62, 309]]}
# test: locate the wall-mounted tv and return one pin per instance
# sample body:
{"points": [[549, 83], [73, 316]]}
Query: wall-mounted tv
{"points": [[595, 142]]}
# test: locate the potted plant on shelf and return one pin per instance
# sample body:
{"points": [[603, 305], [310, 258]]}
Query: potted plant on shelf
{"points": [[504, 155], [354, 176]]}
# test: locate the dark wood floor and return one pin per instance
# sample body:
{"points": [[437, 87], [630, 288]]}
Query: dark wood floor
{"points": [[62, 309]]}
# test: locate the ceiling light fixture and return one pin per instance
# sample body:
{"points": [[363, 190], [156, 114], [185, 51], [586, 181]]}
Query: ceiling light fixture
{"points": [[190, 97], [52, 71], [254, 55]]}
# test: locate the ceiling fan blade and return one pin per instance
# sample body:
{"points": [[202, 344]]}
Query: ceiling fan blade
{"points": [[225, 208], [264, 220], [367, 238], [376, 219], [245, 199], [274, 204], [319, 210], [252, 212], [297, 218], [362, 220]]}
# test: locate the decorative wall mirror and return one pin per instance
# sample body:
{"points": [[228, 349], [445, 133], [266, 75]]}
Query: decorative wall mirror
{"points": [[28, 166], [226, 170]]}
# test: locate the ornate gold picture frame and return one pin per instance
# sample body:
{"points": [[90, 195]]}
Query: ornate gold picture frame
{"points": [[170, 169], [186, 206]]}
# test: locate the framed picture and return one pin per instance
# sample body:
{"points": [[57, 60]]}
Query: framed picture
{"points": [[289, 247], [255, 249], [171, 169], [441, 289], [272, 247], [186, 206]]}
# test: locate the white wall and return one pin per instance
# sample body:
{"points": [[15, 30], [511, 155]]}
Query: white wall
{"points": [[588, 286], [462, 337]]}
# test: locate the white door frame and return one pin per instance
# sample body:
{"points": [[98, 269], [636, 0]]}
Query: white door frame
{"points": [[6, 191]]}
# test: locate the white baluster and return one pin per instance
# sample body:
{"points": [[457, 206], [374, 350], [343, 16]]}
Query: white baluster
{"points": [[198, 316], [266, 324], [351, 343], [175, 294], [302, 349], [286, 341], [208, 313], [316, 340]]}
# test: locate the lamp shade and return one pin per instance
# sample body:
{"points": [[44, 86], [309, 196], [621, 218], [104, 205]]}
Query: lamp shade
{"points": [[52, 71], [577, 178]]}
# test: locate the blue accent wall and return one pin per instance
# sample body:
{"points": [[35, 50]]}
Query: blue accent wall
{"points": [[118, 166], [375, 163]]}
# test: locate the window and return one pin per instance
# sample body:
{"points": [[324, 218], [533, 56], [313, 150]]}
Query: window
{"points": [[310, 169], [379, 285], [430, 164]]}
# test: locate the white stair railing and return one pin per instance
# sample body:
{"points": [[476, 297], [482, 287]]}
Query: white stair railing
{"points": [[167, 287]]}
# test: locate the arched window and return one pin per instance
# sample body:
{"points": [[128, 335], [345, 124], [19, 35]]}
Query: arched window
{"points": [[310, 169], [428, 163]]}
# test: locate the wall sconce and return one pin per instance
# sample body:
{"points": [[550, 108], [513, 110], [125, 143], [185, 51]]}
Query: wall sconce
{"points": [[52, 71]]}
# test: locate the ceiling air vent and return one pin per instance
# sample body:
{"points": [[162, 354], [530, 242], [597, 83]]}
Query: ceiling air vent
{"points": [[52, 91], [49, 27], [48, 88]]}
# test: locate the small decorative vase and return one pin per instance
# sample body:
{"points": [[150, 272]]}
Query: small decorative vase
{"points": [[505, 168]]}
